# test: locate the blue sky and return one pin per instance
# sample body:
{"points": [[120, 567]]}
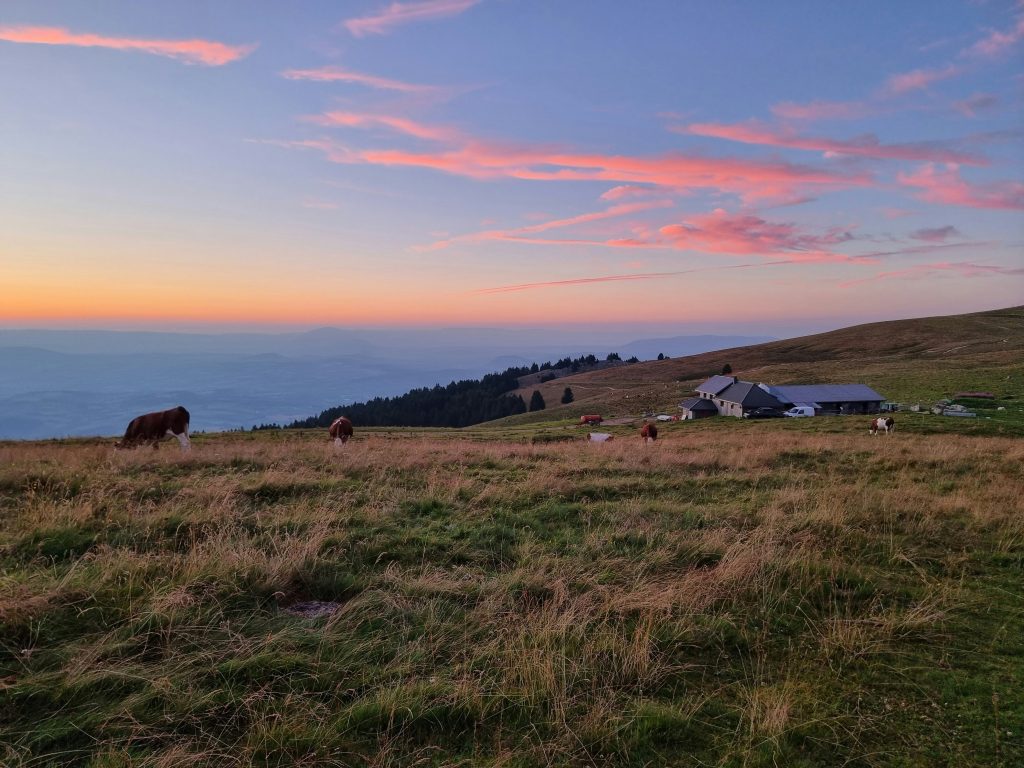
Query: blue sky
{"points": [[484, 162]]}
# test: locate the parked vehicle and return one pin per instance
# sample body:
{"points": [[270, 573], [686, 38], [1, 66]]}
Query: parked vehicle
{"points": [[799, 411], [764, 412]]}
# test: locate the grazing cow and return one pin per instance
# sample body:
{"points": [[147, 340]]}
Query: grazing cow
{"points": [[649, 432], [599, 437], [340, 430], [884, 424], [154, 427]]}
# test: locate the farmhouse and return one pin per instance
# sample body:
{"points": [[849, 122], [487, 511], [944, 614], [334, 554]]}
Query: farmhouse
{"points": [[728, 396], [731, 397]]}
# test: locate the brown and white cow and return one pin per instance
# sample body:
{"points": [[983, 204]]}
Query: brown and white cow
{"points": [[154, 427], [649, 432], [340, 430], [886, 424]]}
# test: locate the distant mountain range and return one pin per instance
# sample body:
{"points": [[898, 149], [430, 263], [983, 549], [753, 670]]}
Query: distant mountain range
{"points": [[69, 383]]}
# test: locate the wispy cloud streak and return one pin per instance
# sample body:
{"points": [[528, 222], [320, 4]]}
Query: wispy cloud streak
{"points": [[753, 180], [866, 145], [398, 124], [997, 42], [745, 234], [520, 234], [821, 110], [397, 14], [918, 79], [964, 269], [936, 234], [206, 52], [338, 75], [970, 107], [621, 278]]}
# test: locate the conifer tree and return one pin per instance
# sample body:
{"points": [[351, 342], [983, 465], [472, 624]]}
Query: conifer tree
{"points": [[537, 401]]}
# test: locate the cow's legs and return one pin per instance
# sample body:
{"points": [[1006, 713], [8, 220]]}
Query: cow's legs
{"points": [[183, 440]]}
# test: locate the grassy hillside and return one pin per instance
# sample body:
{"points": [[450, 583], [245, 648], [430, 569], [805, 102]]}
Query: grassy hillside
{"points": [[797, 597], [917, 360], [741, 593]]}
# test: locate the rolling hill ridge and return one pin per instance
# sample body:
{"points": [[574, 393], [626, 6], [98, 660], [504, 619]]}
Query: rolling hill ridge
{"points": [[906, 360]]}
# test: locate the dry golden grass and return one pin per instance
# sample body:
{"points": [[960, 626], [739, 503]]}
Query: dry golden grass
{"points": [[693, 602]]}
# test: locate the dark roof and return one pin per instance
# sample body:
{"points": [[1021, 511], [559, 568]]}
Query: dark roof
{"points": [[826, 393], [749, 395], [698, 404], [716, 384]]}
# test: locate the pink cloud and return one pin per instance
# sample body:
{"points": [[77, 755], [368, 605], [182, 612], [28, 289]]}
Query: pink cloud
{"points": [[745, 234], [917, 79], [751, 179], [821, 110], [206, 52], [397, 14], [398, 124], [520, 234], [946, 186], [336, 74], [936, 234], [628, 190], [962, 269], [997, 43], [867, 145], [977, 103]]}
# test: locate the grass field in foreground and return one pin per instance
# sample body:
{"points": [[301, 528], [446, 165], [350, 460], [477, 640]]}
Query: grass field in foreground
{"points": [[773, 594]]}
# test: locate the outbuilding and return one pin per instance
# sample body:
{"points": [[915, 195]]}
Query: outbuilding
{"points": [[697, 408], [831, 398]]}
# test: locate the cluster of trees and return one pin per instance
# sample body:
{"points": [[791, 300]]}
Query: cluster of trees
{"points": [[576, 363], [459, 404]]}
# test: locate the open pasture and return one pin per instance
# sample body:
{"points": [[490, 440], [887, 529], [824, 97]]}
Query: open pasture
{"points": [[764, 594]]}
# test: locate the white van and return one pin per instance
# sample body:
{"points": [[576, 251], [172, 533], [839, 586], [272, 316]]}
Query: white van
{"points": [[799, 411]]}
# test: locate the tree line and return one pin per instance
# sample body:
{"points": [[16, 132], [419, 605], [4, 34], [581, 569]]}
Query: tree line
{"points": [[459, 404]]}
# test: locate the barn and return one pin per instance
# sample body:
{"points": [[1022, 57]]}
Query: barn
{"points": [[831, 398]]}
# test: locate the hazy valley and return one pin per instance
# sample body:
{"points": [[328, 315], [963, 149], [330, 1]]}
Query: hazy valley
{"points": [[57, 383]]}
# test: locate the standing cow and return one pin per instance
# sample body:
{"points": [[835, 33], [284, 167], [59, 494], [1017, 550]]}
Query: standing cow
{"points": [[649, 432], [884, 424], [154, 427], [340, 430]]}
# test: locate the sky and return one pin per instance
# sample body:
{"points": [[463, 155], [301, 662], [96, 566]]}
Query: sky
{"points": [[744, 165]]}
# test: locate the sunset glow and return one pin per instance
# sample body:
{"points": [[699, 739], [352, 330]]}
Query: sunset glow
{"points": [[476, 162]]}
